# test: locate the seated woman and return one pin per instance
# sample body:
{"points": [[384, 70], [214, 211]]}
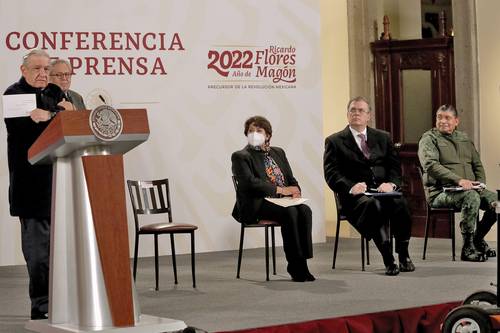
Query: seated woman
{"points": [[263, 171]]}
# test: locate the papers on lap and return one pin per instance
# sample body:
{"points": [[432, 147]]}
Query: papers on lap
{"points": [[383, 194], [480, 186], [18, 105], [287, 202]]}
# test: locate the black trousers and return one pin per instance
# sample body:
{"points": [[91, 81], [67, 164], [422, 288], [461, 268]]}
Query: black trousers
{"points": [[35, 239], [296, 228], [369, 214]]}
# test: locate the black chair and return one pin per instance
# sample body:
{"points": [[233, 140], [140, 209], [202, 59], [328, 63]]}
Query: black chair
{"points": [[342, 217], [153, 197], [266, 224], [432, 211]]}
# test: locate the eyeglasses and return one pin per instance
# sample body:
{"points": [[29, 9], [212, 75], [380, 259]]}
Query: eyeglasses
{"points": [[62, 75], [354, 110]]}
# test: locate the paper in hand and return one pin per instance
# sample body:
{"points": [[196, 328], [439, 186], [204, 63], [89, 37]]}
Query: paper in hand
{"points": [[287, 201], [19, 105]]}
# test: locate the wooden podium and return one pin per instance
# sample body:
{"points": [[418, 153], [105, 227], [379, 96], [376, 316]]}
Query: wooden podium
{"points": [[90, 287]]}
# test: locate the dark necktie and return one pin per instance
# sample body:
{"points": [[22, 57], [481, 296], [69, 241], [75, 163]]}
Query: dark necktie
{"points": [[364, 146]]}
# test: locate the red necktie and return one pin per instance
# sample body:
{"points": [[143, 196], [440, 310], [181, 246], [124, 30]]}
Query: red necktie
{"points": [[364, 146]]}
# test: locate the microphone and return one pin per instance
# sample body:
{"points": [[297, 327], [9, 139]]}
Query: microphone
{"points": [[102, 99]]}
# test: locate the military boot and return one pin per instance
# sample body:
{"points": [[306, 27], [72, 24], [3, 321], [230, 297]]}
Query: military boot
{"points": [[469, 251], [489, 218]]}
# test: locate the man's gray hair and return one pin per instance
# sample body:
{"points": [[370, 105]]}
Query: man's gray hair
{"points": [[359, 99], [60, 61], [32, 53], [448, 108]]}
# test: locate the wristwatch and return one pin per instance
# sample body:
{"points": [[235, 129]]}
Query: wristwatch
{"points": [[52, 114]]}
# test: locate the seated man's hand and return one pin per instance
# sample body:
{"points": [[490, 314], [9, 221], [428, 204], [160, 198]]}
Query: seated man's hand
{"points": [[385, 187], [359, 188], [66, 105], [466, 184], [38, 115]]}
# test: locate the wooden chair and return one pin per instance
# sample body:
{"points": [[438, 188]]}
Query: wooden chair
{"points": [[342, 217], [432, 211], [266, 224], [153, 197]]}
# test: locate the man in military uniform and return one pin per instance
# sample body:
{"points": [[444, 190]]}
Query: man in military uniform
{"points": [[449, 158]]}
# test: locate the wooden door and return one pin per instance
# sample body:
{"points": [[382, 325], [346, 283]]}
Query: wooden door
{"points": [[412, 79]]}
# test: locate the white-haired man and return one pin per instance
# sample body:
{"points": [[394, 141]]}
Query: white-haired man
{"points": [[60, 73], [30, 186]]}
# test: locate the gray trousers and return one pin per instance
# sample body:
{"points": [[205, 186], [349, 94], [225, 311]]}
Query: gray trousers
{"points": [[35, 238], [469, 203]]}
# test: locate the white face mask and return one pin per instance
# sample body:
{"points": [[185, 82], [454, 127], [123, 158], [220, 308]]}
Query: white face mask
{"points": [[256, 139]]}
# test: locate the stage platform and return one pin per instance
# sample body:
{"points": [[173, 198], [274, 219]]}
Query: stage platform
{"points": [[223, 303]]}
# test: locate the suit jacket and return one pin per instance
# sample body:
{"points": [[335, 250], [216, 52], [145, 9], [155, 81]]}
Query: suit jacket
{"points": [[30, 186], [76, 99], [345, 165], [253, 184]]}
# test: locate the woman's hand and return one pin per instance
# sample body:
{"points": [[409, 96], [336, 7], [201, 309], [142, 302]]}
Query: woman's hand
{"points": [[290, 191]]}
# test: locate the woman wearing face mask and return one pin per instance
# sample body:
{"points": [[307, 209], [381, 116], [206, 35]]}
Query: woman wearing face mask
{"points": [[263, 171]]}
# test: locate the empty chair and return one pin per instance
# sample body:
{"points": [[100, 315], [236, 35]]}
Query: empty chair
{"points": [[153, 197], [432, 211], [266, 224], [342, 217]]}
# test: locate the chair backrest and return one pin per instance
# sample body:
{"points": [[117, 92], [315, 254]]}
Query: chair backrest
{"points": [[150, 197], [421, 174], [340, 215], [235, 183]]}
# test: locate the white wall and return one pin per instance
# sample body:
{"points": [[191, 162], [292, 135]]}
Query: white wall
{"points": [[335, 52], [194, 128], [489, 89]]}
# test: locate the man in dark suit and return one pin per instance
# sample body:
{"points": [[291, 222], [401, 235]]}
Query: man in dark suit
{"points": [[30, 186], [360, 159], [60, 73]]}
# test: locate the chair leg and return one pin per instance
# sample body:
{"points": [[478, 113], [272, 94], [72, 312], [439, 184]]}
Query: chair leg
{"points": [[266, 229], [367, 251], [273, 243], [240, 253], [452, 229], [192, 259], [136, 250], [362, 253], [156, 263], [336, 243], [174, 263], [426, 236]]}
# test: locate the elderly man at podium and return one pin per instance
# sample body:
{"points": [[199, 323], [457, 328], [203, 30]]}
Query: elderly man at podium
{"points": [[31, 185]]}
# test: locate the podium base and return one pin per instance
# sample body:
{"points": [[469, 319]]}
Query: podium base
{"points": [[146, 324]]}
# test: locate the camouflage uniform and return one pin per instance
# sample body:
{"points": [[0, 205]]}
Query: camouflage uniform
{"points": [[447, 158]]}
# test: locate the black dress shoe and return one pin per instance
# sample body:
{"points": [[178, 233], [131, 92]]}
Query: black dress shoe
{"points": [[36, 315], [296, 273], [406, 265], [392, 269], [310, 277]]}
